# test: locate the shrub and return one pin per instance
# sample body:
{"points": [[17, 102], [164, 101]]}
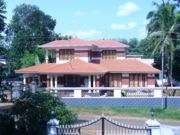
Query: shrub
{"points": [[34, 110]]}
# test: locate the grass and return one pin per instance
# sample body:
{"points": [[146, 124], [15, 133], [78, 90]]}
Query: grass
{"points": [[169, 113]]}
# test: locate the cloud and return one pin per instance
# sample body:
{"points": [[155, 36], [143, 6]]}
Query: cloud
{"points": [[78, 13], [84, 34], [129, 25], [127, 9]]}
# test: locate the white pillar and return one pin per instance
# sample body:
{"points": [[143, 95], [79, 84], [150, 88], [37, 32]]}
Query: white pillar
{"points": [[46, 56], [158, 93], [51, 81], [47, 82], [77, 93], [117, 93], [94, 81], [89, 83], [55, 81], [154, 125], [24, 79]]}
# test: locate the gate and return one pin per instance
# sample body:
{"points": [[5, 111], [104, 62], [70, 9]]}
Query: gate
{"points": [[102, 126]]}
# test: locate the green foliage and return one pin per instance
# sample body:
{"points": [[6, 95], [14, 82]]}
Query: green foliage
{"points": [[7, 125], [2, 17], [34, 110], [176, 64], [29, 59], [169, 113], [163, 23], [28, 28]]}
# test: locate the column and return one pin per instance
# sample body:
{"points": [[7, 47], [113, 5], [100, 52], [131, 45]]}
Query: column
{"points": [[89, 83], [57, 55], [46, 56], [24, 79], [56, 81], [94, 81], [48, 81], [51, 81]]}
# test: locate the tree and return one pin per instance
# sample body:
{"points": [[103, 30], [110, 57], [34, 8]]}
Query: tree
{"points": [[29, 28], [133, 46], [34, 110], [29, 59], [160, 29], [2, 17]]}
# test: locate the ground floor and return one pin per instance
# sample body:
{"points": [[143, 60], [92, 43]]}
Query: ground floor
{"points": [[103, 80]]}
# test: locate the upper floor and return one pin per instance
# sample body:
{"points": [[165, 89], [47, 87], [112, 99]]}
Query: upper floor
{"points": [[61, 51]]}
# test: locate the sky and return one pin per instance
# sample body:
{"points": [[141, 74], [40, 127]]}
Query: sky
{"points": [[94, 19]]}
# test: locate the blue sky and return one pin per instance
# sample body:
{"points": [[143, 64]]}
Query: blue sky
{"points": [[94, 19]]}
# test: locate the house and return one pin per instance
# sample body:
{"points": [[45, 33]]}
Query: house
{"points": [[89, 63]]}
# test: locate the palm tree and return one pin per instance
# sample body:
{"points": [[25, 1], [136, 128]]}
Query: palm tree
{"points": [[2, 17], [161, 27]]}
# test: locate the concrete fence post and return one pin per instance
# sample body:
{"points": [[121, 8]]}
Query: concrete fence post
{"points": [[52, 126], [117, 93], [154, 125]]}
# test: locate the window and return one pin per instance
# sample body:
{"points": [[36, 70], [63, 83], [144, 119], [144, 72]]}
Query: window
{"points": [[137, 80], [109, 54], [66, 54]]}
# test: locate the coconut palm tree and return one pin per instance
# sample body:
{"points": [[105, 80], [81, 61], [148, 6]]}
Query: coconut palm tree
{"points": [[2, 17], [161, 28]]}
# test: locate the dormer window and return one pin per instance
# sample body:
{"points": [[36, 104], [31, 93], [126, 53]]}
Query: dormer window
{"points": [[66, 54], [109, 54]]}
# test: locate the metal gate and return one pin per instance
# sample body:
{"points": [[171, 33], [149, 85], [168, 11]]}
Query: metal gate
{"points": [[103, 126]]}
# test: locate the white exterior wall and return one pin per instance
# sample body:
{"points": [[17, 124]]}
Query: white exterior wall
{"points": [[86, 59], [120, 58]]}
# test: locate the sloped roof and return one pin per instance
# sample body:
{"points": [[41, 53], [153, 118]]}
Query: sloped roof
{"points": [[128, 66], [75, 42], [78, 66], [73, 67]]}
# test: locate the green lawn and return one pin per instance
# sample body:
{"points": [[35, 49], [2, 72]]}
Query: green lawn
{"points": [[169, 113]]}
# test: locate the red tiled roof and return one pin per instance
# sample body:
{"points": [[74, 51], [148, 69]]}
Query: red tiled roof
{"points": [[73, 67], [128, 66], [108, 43], [75, 42], [80, 67], [66, 43]]}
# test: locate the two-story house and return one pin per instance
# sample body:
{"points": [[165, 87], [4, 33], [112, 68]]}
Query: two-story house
{"points": [[89, 63]]}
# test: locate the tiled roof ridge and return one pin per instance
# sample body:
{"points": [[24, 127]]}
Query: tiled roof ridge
{"points": [[77, 41]]}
